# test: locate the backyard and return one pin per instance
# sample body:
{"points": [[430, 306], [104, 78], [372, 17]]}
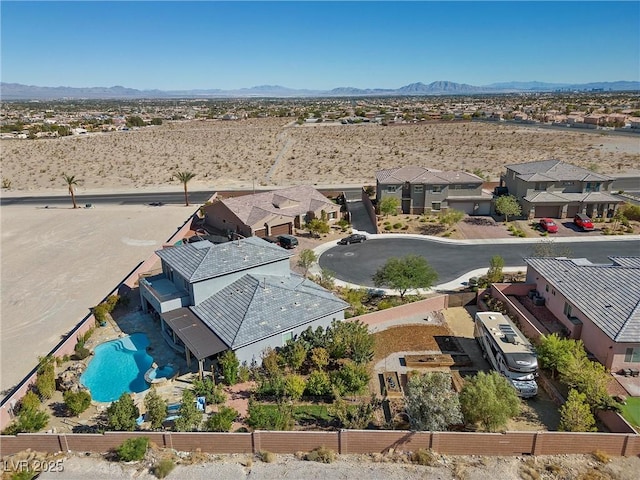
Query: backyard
{"points": [[631, 411]]}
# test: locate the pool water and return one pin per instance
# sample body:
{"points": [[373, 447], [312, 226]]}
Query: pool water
{"points": [[117, 367], [164, 371]]}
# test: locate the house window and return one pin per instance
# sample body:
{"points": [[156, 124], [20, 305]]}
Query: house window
{"points": [[632, 355], [546, 288], [567, 309], [541, 185], [392, 188], [436, 189], [567, 184], [435, 206], [418, 188], [593, 186], [286, 337]]}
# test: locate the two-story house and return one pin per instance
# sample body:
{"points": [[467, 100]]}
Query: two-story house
{"points": [[270, 213], [239, 295], [598, 304], [555, 189], [421, 190]]}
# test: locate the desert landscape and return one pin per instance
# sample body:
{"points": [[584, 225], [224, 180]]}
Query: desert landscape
{"points": [[278, 152]]}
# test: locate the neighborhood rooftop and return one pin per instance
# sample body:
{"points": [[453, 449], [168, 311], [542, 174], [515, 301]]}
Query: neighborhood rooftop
{"points": [[202, 260], [255, 307], [424, 175], [288, 202], [608, 293], [553, 171]]}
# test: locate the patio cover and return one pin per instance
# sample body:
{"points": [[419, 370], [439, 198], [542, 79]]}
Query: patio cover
{"points": [[197, 337]]}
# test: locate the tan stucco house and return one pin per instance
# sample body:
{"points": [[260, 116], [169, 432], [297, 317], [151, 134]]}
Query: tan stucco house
{"points": [[272, 213]]}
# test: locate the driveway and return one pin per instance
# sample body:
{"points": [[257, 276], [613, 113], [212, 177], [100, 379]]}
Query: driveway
{"points": [[360, 219], [453, 259]]}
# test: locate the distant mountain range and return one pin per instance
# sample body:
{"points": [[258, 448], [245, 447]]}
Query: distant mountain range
{"points": [[17, 91]]}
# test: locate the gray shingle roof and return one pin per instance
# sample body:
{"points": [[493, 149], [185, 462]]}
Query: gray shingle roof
{"points": [[414, 174], [553, 171], [255, 307], [609, 294], [202, 260], [288, 202], [554, 197]]}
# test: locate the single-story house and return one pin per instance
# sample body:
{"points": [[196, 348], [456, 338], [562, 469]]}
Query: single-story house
{"points": [[272, 213], [597, 303]]}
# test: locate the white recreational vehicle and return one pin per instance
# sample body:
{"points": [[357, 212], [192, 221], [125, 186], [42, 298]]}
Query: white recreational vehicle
{"points": [[508, 351]]}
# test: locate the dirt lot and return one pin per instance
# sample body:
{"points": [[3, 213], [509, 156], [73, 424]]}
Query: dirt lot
{"points": [[275, 151]]}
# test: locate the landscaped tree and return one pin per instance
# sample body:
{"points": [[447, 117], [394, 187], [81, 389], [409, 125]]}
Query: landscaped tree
{"points": [[495, 274], [554, 352], [294, 386], [350, 340], [431, 403], [72, 182], [575, 414], [30, 417], [589, 378], [122, 414], [190, 417], [318, 383], [489, 399], [156, 409], [319, 357], [76, 402], [508, 205], [389, 205], [46, 379], [406, 273], [350, 378], [222, 420], [185, 177], [317, 227], [229, 363], [307, 259], [295, 354]]}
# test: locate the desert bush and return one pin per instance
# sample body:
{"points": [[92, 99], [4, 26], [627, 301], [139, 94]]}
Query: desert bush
{"points": [[387, 227], [267, 457], [133, 449], [77, 402], [46, 379], [321, 455], [80, 353], [424, 457], [397, 226], [601, 456], [163, 467]]}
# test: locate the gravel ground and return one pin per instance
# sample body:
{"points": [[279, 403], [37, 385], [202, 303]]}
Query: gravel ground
{"points": [[362, 467]]}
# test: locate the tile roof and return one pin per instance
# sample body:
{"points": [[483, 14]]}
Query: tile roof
{"points": [[414, 174], [553, 197], [554, 170], [288, 202], [608, 294], [255, 307], [202, 260]]}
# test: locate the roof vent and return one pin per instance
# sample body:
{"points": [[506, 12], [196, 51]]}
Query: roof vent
{"points": [[509, 338]]}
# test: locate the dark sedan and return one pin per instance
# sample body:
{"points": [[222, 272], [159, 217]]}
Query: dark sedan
{"points": [[355, 238]]}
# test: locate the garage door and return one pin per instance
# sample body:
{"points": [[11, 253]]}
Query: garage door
{"points": [[547, 211], [572, 210], [484, 208], [283, 229], [260, 233], [466, 207]]}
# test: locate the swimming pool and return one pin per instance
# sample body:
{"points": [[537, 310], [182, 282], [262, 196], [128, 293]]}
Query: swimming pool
{"points": [[117, 367]]}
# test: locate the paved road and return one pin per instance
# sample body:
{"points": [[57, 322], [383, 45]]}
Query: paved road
{"points": [[357, 263], [196, 198]]}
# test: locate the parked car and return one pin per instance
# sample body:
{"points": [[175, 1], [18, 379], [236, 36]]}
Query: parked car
{"points": [[355, 238], [583, 222], [548, 225], [287, 241], [272, 240]]}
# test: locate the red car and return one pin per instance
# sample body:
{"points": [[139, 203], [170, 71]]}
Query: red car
{"points": [[583, 222], [548, 225]]}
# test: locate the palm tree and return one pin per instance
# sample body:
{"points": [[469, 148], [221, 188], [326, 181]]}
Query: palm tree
{"points": [[72, 181], [185, 177]]}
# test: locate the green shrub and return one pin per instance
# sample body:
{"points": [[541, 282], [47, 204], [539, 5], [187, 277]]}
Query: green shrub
{"points": [[265, 417], [386, 223], [321, 455], [397, 226], [244, 373], [294, 386], [163, 467], [133, 449], [318, 383], [46, 379], [122, 414], [222, 420], [30, 417], [77, 402], [213, 394], [387, 227], [230, 364], [271, 386]]}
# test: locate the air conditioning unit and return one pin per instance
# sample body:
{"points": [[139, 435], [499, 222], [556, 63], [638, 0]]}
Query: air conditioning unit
{"points": [[539, 301]]}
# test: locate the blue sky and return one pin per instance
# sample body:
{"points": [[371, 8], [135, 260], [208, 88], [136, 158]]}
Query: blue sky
{"points": [[316, 45]]}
